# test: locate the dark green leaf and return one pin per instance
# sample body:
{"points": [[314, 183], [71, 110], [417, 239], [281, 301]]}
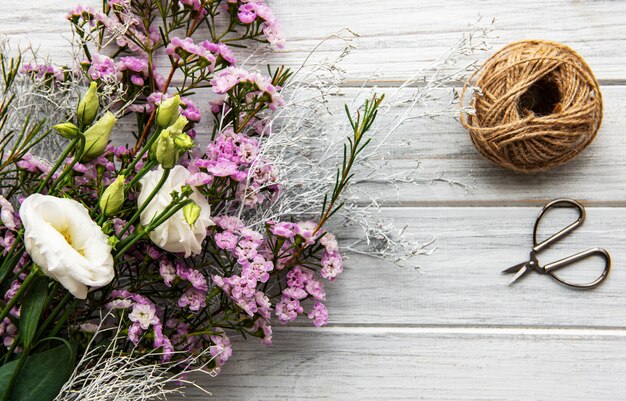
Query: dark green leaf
{"points": [[32, 306], [42, 376]]}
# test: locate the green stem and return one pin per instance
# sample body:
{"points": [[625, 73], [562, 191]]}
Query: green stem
{"points": [[11, 260], [145, 204], [68, 297], [143, 151], [61, 322], [23, 288], [69, 167], [58, 163], [147, 167], [160, 219]]}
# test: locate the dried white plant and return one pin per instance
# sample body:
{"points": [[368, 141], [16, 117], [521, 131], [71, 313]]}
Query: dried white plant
{"points": [[37, 98], [307, 136], [113, 373]]}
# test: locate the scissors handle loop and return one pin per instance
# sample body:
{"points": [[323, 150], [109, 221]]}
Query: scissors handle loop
{"points": [[552, 267], [558, 202]]}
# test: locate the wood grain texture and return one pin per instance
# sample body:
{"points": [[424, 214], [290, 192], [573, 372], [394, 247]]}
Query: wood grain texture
{"points": [[453, 329], [404, 364], [461, 284], [400, 37], [445, 154]]}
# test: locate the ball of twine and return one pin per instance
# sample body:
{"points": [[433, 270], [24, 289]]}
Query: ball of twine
{"points": [[537, 105]]}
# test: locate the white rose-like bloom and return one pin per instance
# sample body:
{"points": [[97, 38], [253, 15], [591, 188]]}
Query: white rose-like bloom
{"points": [[175, 234], [66, 244]]}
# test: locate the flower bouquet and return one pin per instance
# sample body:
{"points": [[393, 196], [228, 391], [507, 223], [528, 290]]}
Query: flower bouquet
{"points": [[152, 254]]}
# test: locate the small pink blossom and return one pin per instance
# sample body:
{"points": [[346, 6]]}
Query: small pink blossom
{"points": [[288, 310], [319, 314], [102, 67], [332, 265], [167, 271], [283, 229], [134, 333], [265, 331], [194, 299], [226, 240], [144, 315], [221, 350], [227, 79], [295, 293], [247, 13]]}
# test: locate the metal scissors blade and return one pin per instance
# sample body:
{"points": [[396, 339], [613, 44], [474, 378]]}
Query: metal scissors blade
{"points": [[519, 270], [514, 269]]}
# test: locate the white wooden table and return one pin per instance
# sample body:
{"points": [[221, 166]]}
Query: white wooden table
{"points": [[453, 330]]}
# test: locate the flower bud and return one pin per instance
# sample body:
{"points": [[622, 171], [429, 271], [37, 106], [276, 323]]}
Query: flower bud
{"points": [[97, 136], [186, 190], [167, 113], [112, 199], [67, 130], [191, 212], [183, 142], [88, 105], [179, 125], [166, 152]]}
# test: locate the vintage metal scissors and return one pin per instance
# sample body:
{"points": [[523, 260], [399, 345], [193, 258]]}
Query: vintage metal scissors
{"points": [[522, 269]]}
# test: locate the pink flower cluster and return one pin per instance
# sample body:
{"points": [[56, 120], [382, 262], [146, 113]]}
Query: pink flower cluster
{"points": [[122, 20], [146, 323], [185, 51], [255, 85], [8, 330], [236, 157], [34, 164], [302, 282], [206, 54], [332, 262], [221, 350], [101, 67], [135, 68], [245, 246], [253, 252], [143, 315], [249, 11], [194, 297], [9, 225], [42, 71]]}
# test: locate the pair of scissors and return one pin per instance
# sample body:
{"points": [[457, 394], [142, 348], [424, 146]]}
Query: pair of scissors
{"points": [[532, 264]]}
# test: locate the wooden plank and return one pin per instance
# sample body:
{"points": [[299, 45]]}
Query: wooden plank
{"points": [[445, 154], [403, 364], [402, 37], [461, 283]]}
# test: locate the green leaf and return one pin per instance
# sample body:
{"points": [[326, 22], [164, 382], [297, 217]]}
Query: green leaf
{"points": [[42, 376], [32, 306]]}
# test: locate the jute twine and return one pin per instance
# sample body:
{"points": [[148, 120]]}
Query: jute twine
{"points": [[536, 105]]}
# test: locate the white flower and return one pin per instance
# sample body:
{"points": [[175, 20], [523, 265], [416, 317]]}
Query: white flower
{"points": [[65, 243], [175, 234], [143, 314]]}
